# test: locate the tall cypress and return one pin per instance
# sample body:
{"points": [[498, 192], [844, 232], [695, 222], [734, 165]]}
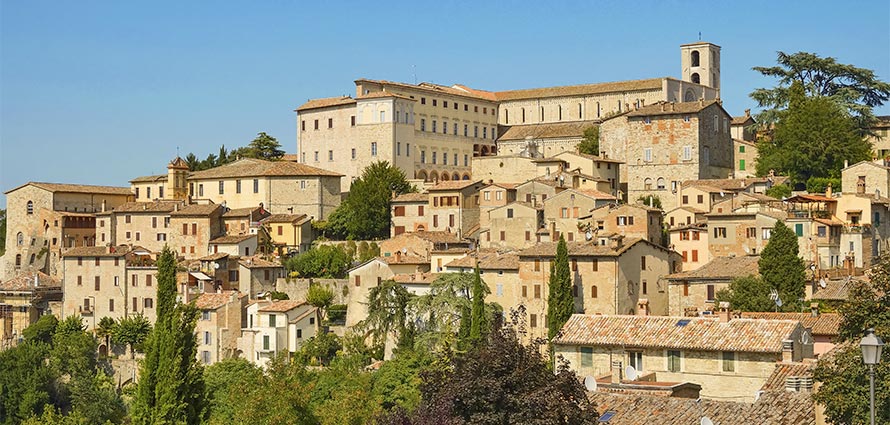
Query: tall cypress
{"points": [[171, 384], [782, 268], [477, 321], [560, 302]]}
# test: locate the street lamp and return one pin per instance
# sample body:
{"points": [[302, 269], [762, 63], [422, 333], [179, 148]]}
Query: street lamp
{"points": [[871, 346]]}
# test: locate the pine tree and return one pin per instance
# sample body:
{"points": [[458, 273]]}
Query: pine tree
{"points": [[781, 267], [171, 384], [477, 317], [560, 303]]}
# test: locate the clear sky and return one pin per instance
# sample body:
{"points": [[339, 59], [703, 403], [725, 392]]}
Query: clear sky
{"points": [[101, 92]]}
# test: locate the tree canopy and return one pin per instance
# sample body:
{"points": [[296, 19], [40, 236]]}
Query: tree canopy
{"points": [[265, 147], [813, 137], [590, 142], [781, 267], [560, 302], [324, 261], [365, 213], [856, 90], [747, 293]]}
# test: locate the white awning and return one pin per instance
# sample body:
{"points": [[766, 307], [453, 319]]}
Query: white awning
{"points": [[200, 276]]}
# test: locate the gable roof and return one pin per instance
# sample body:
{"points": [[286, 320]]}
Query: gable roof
{"points": [[700, 334], [150, 179], [581, 249], [232, 239], [25, 282], [325, 103], [589, 156], [280, 306], [547, 130], [97, 251], [581, 89], [827, 324], [673, 108], [258, 263], [721, 268], [252, 167], [76, 188], [412, 197], [783, 371], [197, 210], [207, 301], [284, 218], [454, 185], [488, 261], [245, 212], [146, 207], [455, 90], [381, 95]]}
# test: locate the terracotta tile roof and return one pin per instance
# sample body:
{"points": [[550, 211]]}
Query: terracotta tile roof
{"points": [[405, 259], [827, 324], [593, 193], [589, 156], [382, 94], [254, 212], [26, 282], [325, 103], [508, 186], [454, 185], [455, 90], [436, 236], [147, 207], [232, 239], [292, 157], [702, 334], [284, 218], [806, 198], [76, 188], [258, 263], [281, 306], [97, 251], [721, 268], [488, 261], [214, 257], [197, 210], [150, 179], [665, 108], [251, 167], [835, 289], [311, 312], [776, 380], [773, 408], [742, 120], [582, 89], [579, 249], [214, 301], [425, 278], [733, 184], [412, 197], [547, 130]]}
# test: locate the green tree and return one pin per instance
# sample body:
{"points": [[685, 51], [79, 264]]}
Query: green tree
{"points": [[590, 141], [265, 147], [73, 349], [820, 184], [320, 296], [42, 330], [812, 138], [748, 293], [131, 331], [650, 201], [26, 383], [2, 231], [387, 312], [365, 213], [105, 329], [171, 385], [857, 90], [397, 382], [779, 191], [95, 398], [228, 382], [560, 303], [478, 319], [781, 267], [324, 261], [845, 388]]}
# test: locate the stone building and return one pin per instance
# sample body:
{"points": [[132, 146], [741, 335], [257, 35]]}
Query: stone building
{"points": [[23, 299], [512, 226], [563, 211], [276, 326], [880, 140], [408, 212], [172, 186], [693, 292], [193, 227], [454, 206], [43, 220], [743, 128], [732, 359], [244, 221], [666, 143], [219, 325], [628, 220], [499, 271], [741, 233], [691, 241], [494, 195], [745, 158], [146, 224], [258, 276], [289, 232]]}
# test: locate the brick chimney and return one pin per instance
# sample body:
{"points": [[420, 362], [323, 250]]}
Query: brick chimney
{"points": [[814, 309], [747, 113], [828, 191], [616, 372], [787, 351], [643, 307], [398, 256], [724, 314]]}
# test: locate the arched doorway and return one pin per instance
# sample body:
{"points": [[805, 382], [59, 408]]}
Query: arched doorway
{"points": [[444, 177], [421, 175], [455, 176]]}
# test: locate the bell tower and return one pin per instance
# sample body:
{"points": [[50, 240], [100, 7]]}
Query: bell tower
{"points": [[700, 63], [177, 174]]}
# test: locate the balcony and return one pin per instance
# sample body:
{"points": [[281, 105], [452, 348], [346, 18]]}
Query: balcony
{"points": [[85, 310], [794, 213]]}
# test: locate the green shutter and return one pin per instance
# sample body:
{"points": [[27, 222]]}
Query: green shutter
{"points": [[798, 228], [742, 149], [742, 165]]}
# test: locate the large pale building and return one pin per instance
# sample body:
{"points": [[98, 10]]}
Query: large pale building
{"points": [[432, 131]]}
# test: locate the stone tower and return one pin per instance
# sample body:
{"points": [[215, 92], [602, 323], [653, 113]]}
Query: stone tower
{"points": [[177, 184], [701, 63]]}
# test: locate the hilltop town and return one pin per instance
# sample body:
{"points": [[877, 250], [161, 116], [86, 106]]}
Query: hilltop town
{"points": [[645, 192]]}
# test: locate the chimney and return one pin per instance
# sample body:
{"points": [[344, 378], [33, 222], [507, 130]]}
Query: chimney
{"points": [[747, 113], [176, 206], [846, 163], [398, 256], [792, 384], [103, 205], [393, 195], [662, 107], [643, 307], [724, 314], [814, 309], [616, 372], [787, 351], [828, 191]]}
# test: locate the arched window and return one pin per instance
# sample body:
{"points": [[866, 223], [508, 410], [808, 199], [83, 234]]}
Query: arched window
{"points": [[466, 177], [421, 175], [19, 239], [695, 78], [696, 60], [32, 259], [30, 207], [660, 183], [593, 291], [455, 176], [690, 96], [647, 183], [444, 177], [18, 260]]}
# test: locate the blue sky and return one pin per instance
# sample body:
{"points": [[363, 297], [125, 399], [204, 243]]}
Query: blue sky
{"points": [[101, 92]]}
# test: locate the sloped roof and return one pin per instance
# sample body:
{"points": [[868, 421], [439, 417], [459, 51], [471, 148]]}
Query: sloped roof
{"points": [[196, 210], [207, 301], [581, 89], [284, 218], [76, 188], [827, 324], [733, 184], [150, 179], [589, 156], [721, 268], [488, 261], [214, 257], [97, 251], [232, 239], [700, 334], [672, 108], [776, 380], [147, 207], [381, 95], [455, 90], [547, 130], [245, 212], [258, 263], [404, 259], [281, 306], [412, 197], [425, 278], [578, 249], [25, 282], [454, 185], [325, 103], [252, 167]]}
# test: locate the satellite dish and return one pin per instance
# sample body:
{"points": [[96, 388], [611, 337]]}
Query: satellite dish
{"points": [[588, 235], [778, 302], [822, 283], [215, 266], [630, 372], [706, 421], [590, 383], [404, 251], [722, 194]]}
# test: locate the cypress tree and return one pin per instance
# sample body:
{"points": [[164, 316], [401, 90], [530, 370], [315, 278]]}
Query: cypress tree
{"points": [[171, 384], [560, 303], [477, 321], [782, 268]]}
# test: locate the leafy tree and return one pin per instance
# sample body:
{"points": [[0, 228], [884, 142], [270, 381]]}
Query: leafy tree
{"points": [[95, 398], [192, 161], [650, 201], [223, 156], [499, 382], [171, 385], [365, 213], [387, 312], [320, 349], [397, 382], [781, 267], [845, 388], [779, 191], [265, 147], [73, 349], [857, 90], [560, 303], [320, 296], [324, 261], [748, 293], [228, 381], [42, 330], [342, 393], [478, 319], [813, 138], [131, 331], [280, 397], [820, 184], [105, 329], [26, 381], [590, 141], [278, 296]]}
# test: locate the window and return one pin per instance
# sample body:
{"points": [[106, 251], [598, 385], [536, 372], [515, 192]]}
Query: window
{"points": [[444, 127], [272, 320], [687, 153], [741, 165], [205, 315], [352, 120], [466, 130], [422, 124], [97, 285], [537, 291], [685, 199], [660, 185], [766, 232], [533, 320], [455, 129], [711, 290], [330, 155], [256, 186], [695, 258], [207, 338], [316, 156], [751, 232], [586, 357], [299, 333], [821, 231], [643, 262], [700, 199], [205, 357], [330, 123], [434, 126], [798, 229], [719, 232], [673, 358], [423, 157], [509, 212], [30, 206], [316, 124], [635, 360], [423, 101], [266, 342], [373, 148], [729, 361], [647, 154]]}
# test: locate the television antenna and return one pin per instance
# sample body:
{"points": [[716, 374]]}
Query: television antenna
{"points": [[631, 373], [590, 383]]}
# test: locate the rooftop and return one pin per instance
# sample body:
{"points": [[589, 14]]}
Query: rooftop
{"points": [[207, 301], [77, 188], [232, 239], [150, 179], [455, 90], [581, 89], [580, 249], [30, 282], [258, 263], [488, 260], [547, 130], [671, 108], [325, 102], [97, 251], [246, 212], [280, 306], [424, 278], [454, 185], [412, 197], [827, 324], [251, 167], [686, 333], [721, 268], [196, 210], [147, 207], [776, 380], [284, 218]]}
